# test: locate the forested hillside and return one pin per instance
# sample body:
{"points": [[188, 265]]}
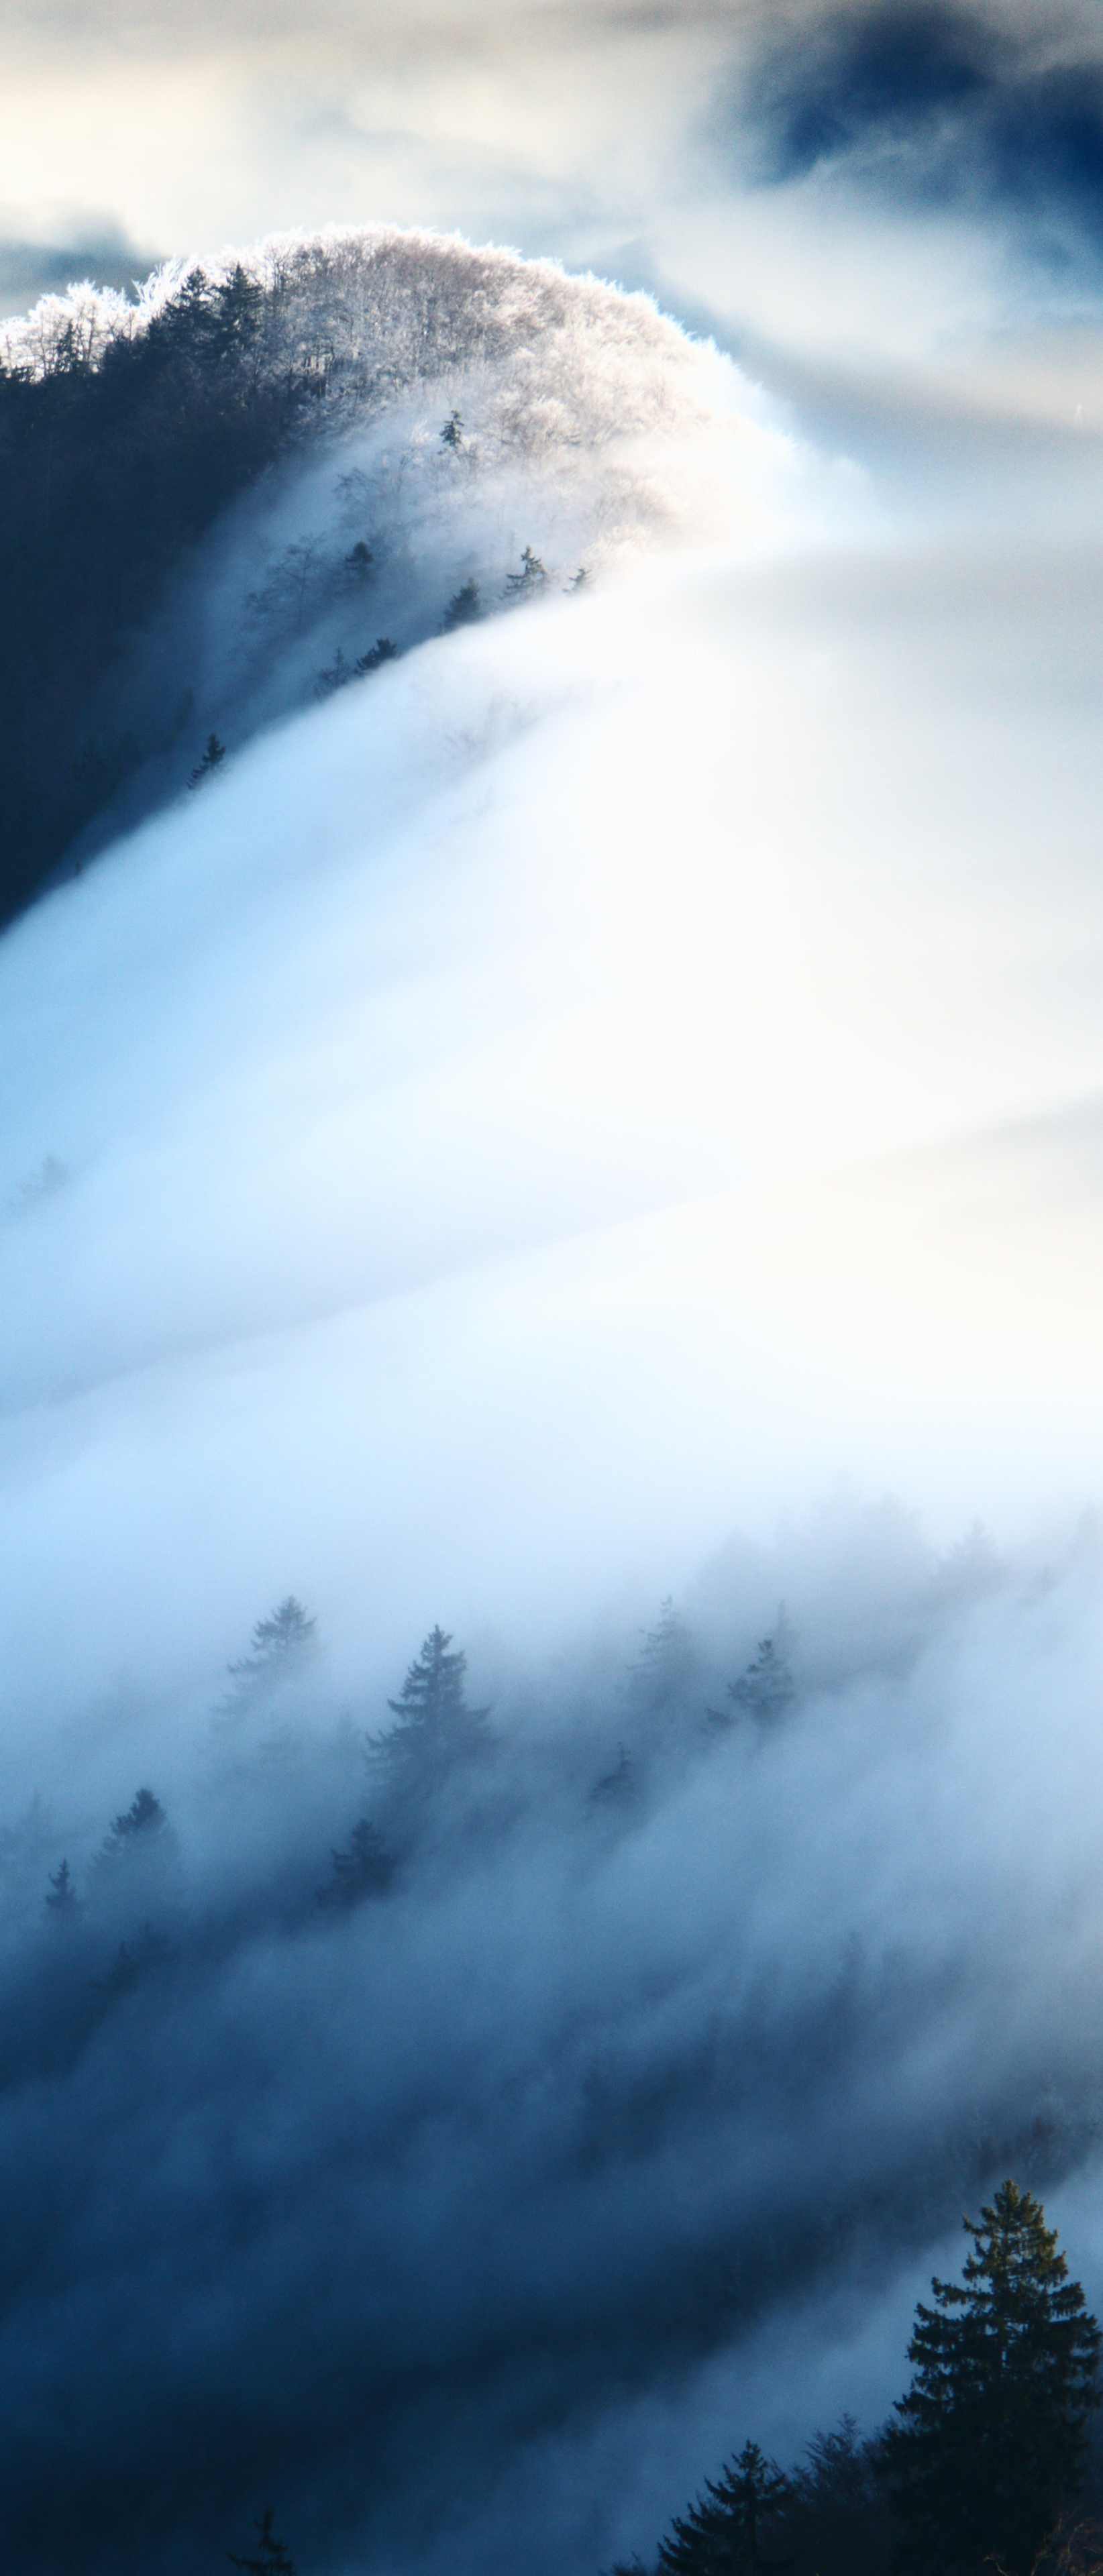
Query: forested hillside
{"points": [[376, 2103], [128, 431]]}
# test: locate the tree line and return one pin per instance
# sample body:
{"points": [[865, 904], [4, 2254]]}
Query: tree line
{"points": [[113, 459], [982, 2463], [980, 2471], [125, 431]]}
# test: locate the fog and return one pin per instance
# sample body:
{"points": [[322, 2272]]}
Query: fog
{"points": [[601, 1110]]}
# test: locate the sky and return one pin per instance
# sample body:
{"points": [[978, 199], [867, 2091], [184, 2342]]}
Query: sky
{"points": [[607, 1108], [889, 178]]}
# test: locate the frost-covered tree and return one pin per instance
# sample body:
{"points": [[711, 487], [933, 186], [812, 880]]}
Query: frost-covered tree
{"points": [[127, 429]]}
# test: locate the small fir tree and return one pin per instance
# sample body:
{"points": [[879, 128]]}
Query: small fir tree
{"points": [[271, 2558], [213, 758], [336, 675], [531, 578], [452, 432], [433, 1719], [464, 608], [665, 1662], [991, 2436], [381, 651], [276, 1641], [365, 1869], [62, 1899], [143, 1822], [766, 1688], [735, 2525]]}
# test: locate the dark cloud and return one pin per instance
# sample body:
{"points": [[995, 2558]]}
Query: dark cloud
{"points": [[29, 269], [939, 102]]}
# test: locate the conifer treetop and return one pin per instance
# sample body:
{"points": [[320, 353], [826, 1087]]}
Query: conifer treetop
{"points": [[991, 2436], [286, 1628], [728, 2528], [431, 1710]]}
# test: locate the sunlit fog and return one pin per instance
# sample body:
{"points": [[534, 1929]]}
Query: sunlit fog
{"points": [[551, 1247]]}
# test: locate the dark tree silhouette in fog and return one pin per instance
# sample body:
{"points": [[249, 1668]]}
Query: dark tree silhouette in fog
{"points": [[735, 2525], [991, 2436]]}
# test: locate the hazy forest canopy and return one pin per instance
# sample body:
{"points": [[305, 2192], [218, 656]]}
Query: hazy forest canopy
{"points": [[128, 430], [367, 2069]]}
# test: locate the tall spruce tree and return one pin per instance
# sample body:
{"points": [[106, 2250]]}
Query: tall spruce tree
{"points": [[991, 2435], [433, 1719], [735, 2526], [279, 1643]]}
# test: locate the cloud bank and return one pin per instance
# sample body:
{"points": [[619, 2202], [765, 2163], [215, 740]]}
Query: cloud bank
{"points": [[623, 1069]]}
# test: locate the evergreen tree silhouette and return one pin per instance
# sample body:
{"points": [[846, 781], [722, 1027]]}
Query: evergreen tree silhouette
{"points": [[729, 2528], [381, 651], [143, 1821], [213, 758], [272, 2558], [531, 578], [665, 1662], [365, 1869], [992, 2432], [276, 1641], [766, 1688], [464, 608], [434, 1721], [62, 1899]]}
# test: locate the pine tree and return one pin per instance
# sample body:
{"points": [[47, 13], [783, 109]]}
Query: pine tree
{"points": [[276, 1641], [272, 2558], [62, 1899], [992, 2432], [665, 1662], [766, 1687], [143, 1821], [734, 2526], [452, 432], [213, 758], [434, 1721], [236, 311], [365, 1869], [531, 578], [464, 608], [381, 651]]}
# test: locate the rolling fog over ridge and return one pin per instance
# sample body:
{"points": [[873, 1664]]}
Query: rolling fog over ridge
{"points": [[594, 1082], [215, 495]]}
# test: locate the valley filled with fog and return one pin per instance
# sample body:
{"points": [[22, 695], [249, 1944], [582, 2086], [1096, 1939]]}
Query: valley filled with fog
{"points": [[584, 1127]]}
